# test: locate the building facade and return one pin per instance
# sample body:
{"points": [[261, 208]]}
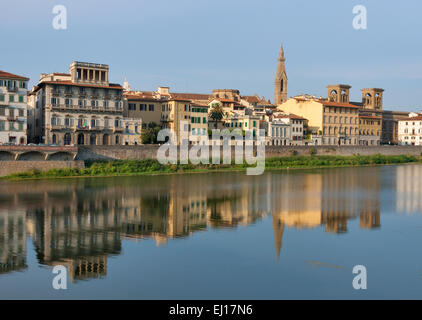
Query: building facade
{"points": [[334, 119], [280, 83], [13, 108], [410, 130], [79, 108]]}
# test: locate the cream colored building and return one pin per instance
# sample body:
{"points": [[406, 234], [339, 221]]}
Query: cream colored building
{"points": [[132, 131], [335, 119], [410, 130], [79, 108], [13, 108]]}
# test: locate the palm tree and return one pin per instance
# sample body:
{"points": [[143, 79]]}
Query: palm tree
{"points": [[216, 113]]}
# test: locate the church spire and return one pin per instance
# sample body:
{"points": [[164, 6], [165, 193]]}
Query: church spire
{"points": [[280, 84], [281, 55]]}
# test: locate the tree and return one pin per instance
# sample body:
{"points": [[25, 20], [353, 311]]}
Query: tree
{"points": [[149, 135], [216, 113]]}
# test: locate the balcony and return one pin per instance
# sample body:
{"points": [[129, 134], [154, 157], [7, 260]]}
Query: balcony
{"points": [[54, 127], [97, 128], [117, 129], [12, 89], [55, 92], [80, 128]]}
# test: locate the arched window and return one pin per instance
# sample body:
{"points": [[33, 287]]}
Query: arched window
{"points": [[93, 139], [106, 139], [81, 139], [67, 139]]}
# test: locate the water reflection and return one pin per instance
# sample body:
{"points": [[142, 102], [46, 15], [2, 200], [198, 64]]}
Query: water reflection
{"points": [[80, 223]]}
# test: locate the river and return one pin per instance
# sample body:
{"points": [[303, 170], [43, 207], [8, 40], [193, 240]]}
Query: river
{"points": [[282, 235]]}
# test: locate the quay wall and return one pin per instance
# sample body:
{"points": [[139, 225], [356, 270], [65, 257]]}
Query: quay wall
{"points": [[96, 153], [10, 167]]}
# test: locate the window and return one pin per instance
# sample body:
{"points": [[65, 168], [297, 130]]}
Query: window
{"points": [[11, 98], [132, 106], [1, 97], [20, 99], [53, 101], [151, 107], [143, 107]]}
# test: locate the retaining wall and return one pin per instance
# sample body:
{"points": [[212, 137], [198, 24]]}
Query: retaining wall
{"points": [[10, 167]]}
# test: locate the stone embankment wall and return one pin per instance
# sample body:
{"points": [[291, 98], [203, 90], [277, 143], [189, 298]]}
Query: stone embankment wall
{"points": [[95, 153], [107, 153], [10, 167]]}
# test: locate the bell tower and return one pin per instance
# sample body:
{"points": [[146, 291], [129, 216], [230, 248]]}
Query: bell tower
{"points": [[280, 84]]}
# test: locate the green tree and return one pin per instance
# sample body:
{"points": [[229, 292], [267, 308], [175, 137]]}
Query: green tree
{"points": [[216, 113], [149, 135]]}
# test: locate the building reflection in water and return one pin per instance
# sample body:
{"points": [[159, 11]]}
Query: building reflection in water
{"points": [[409, 189], [80, 223]]}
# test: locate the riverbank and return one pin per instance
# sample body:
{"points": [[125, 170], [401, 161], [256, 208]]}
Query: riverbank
{"points": [[153, 167]]}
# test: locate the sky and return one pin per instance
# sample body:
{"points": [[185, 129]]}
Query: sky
{"points": [[201, 45]]}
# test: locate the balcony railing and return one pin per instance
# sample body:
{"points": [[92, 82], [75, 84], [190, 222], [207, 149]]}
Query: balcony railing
{"points": [[12, 88]]}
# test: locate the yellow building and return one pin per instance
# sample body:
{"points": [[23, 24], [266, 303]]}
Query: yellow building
{"points": [[132, 131], [145, 106], [335, 118], [199, 119], [370, 128]]}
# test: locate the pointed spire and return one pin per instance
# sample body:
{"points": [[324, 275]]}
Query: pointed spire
{"points": [[281, 56]]}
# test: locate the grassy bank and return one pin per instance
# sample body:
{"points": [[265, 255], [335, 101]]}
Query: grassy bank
{"points": [[142, 167]]}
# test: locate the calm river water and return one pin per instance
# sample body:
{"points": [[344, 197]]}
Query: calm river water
{"points": [[281, 235]]}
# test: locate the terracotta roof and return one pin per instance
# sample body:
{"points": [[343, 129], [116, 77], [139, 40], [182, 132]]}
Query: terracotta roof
{"points": [[418, 118], [8, 75], [140, 96], [70, 83], [190, 96], [337, 104], [251, 99]]}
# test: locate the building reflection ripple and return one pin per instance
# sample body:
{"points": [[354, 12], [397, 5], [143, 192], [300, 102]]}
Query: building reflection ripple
{"points": [[80, 223]]}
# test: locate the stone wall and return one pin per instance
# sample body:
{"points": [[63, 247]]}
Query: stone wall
{"points": [[10, 167], [95, 153]]}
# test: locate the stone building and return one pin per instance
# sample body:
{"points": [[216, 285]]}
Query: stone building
{"points": [[280, 83], [132, 131], [13, 108], [334, 120], [370, 116], [390, 121], [410, 130], [79, 108]]}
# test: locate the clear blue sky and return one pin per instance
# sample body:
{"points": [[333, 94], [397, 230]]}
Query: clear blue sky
{"points": [[200, 45]]}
